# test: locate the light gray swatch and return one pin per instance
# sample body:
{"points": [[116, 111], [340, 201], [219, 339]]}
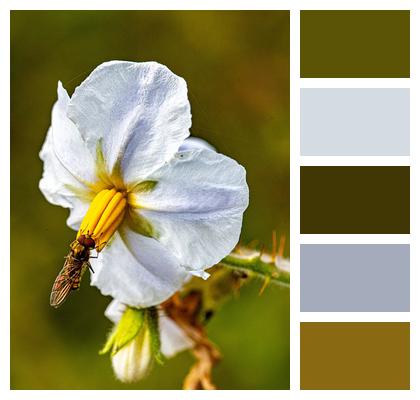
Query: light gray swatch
{"points": [[355, 277], [355, 122]]}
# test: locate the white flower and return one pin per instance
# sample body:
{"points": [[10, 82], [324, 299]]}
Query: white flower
{"points": [[116, 156], [133, 361]]}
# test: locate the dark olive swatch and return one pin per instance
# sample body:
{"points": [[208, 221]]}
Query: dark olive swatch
{"points": [[355, 44], [358, 200], [355, 355]]}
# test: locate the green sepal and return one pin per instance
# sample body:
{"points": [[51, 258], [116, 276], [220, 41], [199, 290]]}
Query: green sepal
{"points": [[152, 318], [144, 187], [127, 329], [109, 342], [140, 225]]}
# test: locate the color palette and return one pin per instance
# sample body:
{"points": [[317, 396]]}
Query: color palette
{"points": [[355, 278], [355, 44], [355, 355], [354, 200], [355, 122]]}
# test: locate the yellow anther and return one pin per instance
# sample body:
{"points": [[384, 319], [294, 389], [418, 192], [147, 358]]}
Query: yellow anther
{"points": [[105, 214], [96, 209], [113, 210], [109, 232], [92, 209]]}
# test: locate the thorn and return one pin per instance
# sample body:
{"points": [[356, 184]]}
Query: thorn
{"points": [[282, 245], [274, 244], [253, 243], [264, 285]]}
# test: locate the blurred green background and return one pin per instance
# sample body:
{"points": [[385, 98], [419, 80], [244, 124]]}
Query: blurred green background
{"points": [[236, 64]]}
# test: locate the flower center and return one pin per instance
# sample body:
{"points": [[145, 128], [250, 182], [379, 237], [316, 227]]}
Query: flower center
{"points": [[105, 214]]}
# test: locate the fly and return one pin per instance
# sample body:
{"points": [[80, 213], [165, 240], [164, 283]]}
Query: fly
{"points": [[68, 279]]}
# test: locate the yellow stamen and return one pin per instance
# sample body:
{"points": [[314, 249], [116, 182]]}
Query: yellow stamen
{"points": [[95, 211], [111, 212], [107, 235], [105, 214]]}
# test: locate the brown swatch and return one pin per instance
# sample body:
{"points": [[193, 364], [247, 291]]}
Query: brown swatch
{"points": [[355, 355], [355, 199], [355, 44]]}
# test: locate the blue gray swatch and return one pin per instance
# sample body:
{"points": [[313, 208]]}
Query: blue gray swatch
{"points": [[355, 277], [355, 122]]}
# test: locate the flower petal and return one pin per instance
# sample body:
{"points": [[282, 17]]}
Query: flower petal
{"points": [[59, 186], [173, 338], [136, 270], [114, 311], [68, 144], [138, 111], [68, 165], [196, 207], [195, 143]]}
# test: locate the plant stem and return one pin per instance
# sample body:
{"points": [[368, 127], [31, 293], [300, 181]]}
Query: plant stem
{"points": [[256, 266]]}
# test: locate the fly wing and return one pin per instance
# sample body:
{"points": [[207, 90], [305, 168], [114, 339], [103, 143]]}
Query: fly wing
{"points": [[64, 283]]}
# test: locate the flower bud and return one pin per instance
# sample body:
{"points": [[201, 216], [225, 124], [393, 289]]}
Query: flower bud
{"points": [[133, 344], [140, 337], [134, 360]]}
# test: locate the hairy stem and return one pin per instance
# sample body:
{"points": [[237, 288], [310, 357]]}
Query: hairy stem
{"points": [[255, 265]]}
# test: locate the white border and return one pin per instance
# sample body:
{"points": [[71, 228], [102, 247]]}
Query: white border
{"points": [[326, 83], [210, 5], [354, 316], [294, 199], [5, 200], [296, 238], [355, 239], [355, 160]]}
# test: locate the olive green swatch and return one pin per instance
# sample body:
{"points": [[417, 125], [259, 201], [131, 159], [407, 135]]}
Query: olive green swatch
{"points": [[355, 355], [358, 199], [355, 44]]}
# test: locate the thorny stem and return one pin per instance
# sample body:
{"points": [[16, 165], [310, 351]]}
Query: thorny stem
{"points": [[257, 266], [186, 309], [185, 312]]}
